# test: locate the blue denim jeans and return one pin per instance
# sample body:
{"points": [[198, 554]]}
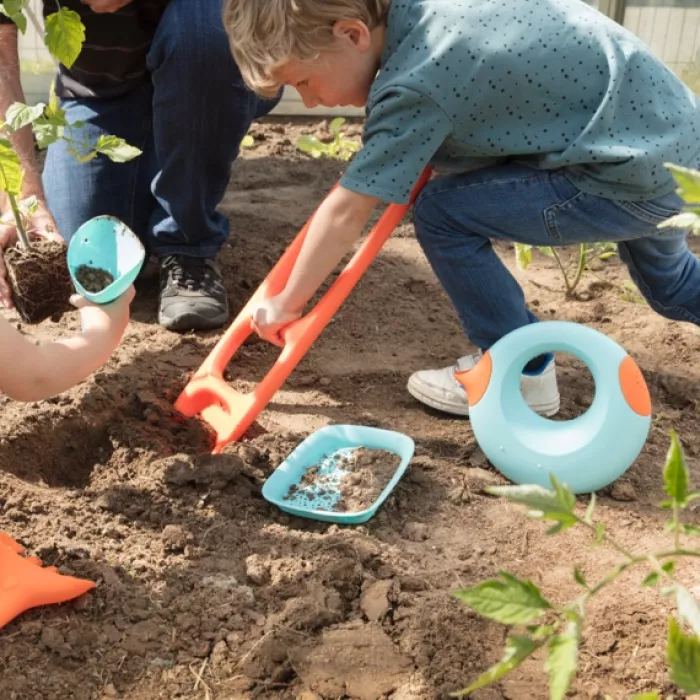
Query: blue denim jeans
{"points": [[189, 123], [456, 218]]}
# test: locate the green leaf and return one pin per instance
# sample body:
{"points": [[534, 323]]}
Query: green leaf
{"points": [[651, 580], [511, 601], [580, 578], [248, 141], [685, 220], [14, 9], [683, 658], [688, 609], [10, 169], [676, 472], [523, 255], [311, 145], [540, 632], [554, 505], [21, 21], [589, 511], [46, 133], [688, 181], [116, 149], [599, 533], [646, 696], [562, 660], [517, 649], [336, 125], [64, 35], [20, 115], [546, 250], [669, 567]]}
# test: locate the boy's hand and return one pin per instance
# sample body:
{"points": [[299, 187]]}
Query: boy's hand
{"points": [[109, 320], [271, 317]]}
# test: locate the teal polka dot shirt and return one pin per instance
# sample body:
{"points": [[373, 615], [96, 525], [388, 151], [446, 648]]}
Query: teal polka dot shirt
{"points": [[552, 84]]}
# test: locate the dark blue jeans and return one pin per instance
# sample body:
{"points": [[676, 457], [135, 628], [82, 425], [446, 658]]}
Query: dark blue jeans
{"points": [[189, 122], [456, 218]]}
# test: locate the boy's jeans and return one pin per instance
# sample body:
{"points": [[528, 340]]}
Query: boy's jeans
{"points": [[189, 123], [456, 216]]}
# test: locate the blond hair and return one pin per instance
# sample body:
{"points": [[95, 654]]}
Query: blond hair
{"points": [[266, 34]]}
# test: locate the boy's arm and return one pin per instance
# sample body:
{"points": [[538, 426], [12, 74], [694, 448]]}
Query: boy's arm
{"points": [[30, 372], [337, 224]]}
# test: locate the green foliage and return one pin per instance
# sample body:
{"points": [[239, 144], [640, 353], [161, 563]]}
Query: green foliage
{"points": [[10, 170], [116, 149], [510, 600], [338, 147], [572, 273], [517, 649], [248, 141], [64, 35], [689, 189], [14, 9], [683, 658]]}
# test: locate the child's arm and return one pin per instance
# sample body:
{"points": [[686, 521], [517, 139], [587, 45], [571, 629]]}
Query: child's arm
{"points": [[336, 226], [30, 372]]}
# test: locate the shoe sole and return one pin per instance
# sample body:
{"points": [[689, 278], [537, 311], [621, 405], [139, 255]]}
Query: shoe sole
{"points": [[193, 322], [547, 410]]}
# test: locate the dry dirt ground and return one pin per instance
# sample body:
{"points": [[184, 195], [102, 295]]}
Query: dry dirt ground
{"points": [[207, 591]]}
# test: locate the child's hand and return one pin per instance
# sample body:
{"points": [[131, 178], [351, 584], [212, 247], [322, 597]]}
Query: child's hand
{"points": [[271, 317], [109, 320]]}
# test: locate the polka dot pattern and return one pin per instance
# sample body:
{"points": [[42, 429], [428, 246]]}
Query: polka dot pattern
{"points": [[549, 83]]}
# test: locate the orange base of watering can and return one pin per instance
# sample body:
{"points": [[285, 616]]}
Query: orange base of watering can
{"points": [[229, 412], [25, 584]]}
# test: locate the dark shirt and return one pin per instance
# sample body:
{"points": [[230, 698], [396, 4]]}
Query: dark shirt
{"points": [[113, 59]]}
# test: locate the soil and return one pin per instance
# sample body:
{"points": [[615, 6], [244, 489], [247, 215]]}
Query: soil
{"points": [[93, 279], [365, 474], [41, 283], [205, 590]]}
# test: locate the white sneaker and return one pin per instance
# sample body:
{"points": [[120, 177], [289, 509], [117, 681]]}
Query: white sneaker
{"points": [[439, 389]]}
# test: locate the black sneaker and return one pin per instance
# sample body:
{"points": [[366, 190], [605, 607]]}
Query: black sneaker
{"points": [[192, 294]]}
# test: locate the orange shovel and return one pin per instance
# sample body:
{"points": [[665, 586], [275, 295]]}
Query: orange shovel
{"points": [[25, 584], [229, 412]]}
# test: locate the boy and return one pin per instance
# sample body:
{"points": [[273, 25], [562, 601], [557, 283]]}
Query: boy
{"points": [[546, 122], [30, 372]]}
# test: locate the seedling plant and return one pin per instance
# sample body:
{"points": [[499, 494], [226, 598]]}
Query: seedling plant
{"points": [[540, 624], [64, 35], [689, 189], [338, 147]]}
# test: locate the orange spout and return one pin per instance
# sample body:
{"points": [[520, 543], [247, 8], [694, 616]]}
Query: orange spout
{"points": [[476, 380]]}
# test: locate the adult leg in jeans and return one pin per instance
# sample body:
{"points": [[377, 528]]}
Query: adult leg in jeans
{"points": [[201, 112], [189, 124], [457, 217]]}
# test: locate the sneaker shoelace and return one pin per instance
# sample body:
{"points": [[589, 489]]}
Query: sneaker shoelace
{"points": [[191, 275]]}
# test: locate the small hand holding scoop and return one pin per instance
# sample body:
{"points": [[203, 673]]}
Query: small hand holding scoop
{"points": [[104, 258]]}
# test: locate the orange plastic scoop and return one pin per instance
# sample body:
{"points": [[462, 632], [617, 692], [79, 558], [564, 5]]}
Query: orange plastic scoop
{"points": [[24, 584], [229, 412]]}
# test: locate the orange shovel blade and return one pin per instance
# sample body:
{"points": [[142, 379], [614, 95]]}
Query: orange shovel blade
{"points": [[24, 584], [230, 413]]}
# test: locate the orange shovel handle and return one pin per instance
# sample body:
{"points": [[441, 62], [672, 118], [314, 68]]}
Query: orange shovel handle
{"points": [[231, 413]]}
